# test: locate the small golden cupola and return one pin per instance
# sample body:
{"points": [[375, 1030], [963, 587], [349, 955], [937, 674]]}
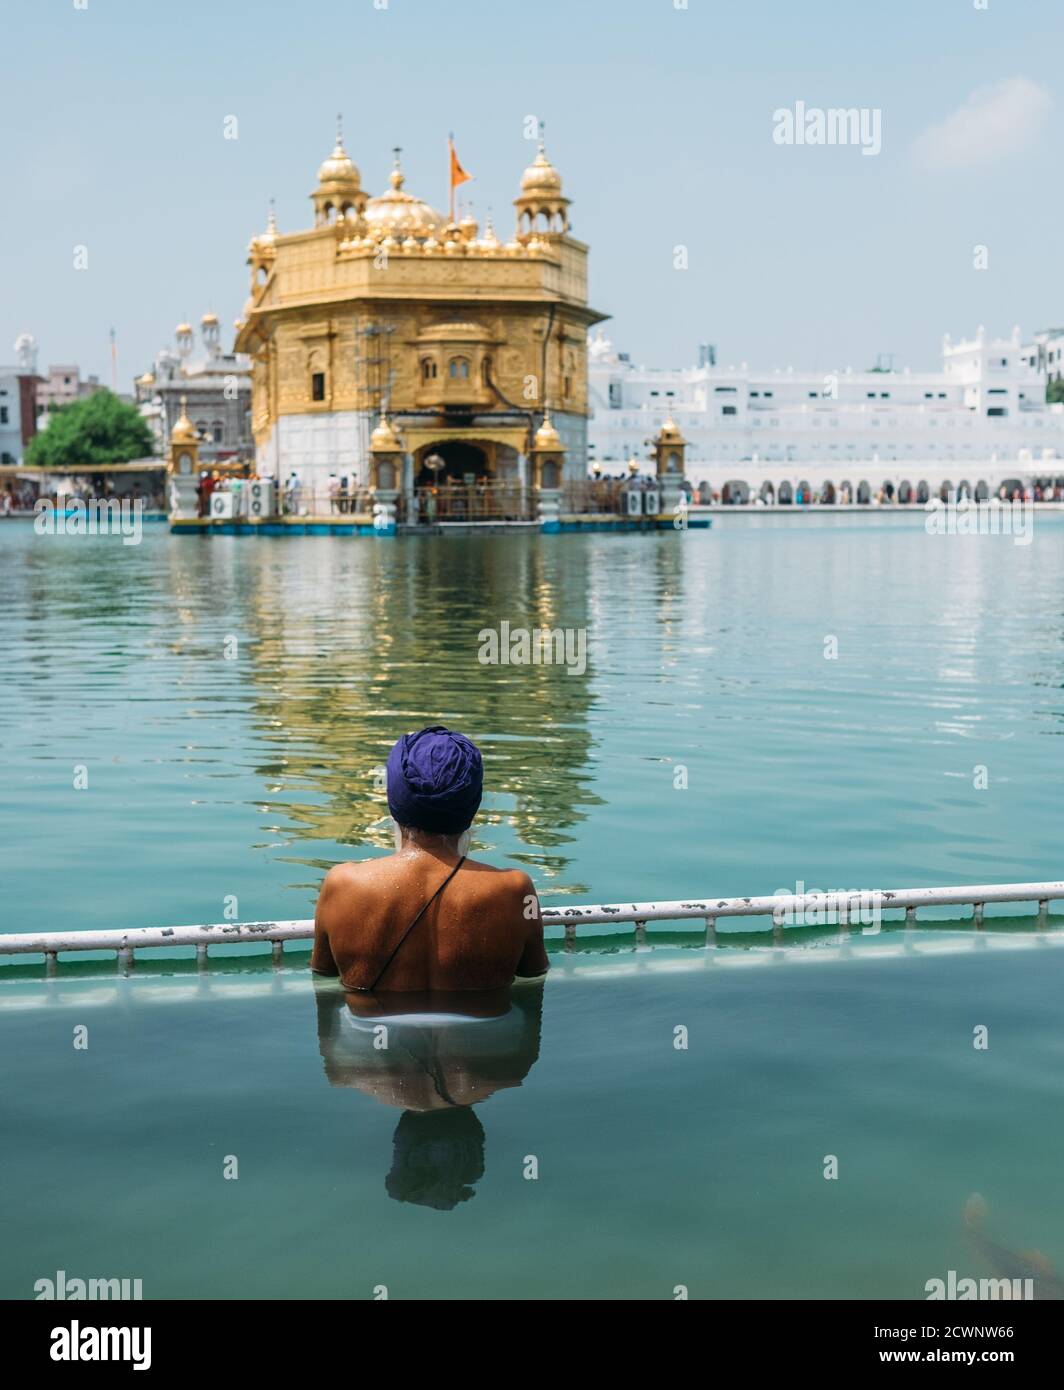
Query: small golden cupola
{"points": [[548, 454], [547, 437], [386, 453], [541, 207], [262, 251], [184, 431], [398, 214], [670, 449], [339, 191]]}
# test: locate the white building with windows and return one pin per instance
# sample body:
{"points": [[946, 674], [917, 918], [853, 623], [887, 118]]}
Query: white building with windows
{"points": [[1046, 353], [980, 421], [216, 386]]}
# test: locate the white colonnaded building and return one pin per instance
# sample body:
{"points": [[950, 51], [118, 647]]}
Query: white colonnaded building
{"points": [[979, 423]]}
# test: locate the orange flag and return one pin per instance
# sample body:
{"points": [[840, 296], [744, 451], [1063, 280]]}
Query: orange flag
{"points": [[458, 174]]}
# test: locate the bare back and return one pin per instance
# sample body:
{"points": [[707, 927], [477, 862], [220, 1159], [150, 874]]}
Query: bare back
{"points": [[481, 931]]}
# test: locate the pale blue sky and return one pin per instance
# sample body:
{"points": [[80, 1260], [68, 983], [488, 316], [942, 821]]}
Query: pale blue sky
{"points": [[660, 120]]}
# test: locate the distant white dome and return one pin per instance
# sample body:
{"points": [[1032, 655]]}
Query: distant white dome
{"points": [[26, 352]]}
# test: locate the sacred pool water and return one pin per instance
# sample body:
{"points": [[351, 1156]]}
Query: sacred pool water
{"points": [[193, 730]]}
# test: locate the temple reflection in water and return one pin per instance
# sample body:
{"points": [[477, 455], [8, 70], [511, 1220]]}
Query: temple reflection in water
{"points": [[351, 647], [343, 648]]}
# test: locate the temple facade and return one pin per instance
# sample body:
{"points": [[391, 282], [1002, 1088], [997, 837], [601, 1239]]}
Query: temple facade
{"points": [[396, 348]]}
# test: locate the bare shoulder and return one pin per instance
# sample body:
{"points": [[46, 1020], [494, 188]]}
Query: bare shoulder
{"points": [[342, 878], [514, 881]]}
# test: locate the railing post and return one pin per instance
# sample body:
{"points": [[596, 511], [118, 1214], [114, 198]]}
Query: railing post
{"points": [[640, 935], [910, 916], [570, 934], [277, 953], [977, 915], [711, 931], [1043, 914]]}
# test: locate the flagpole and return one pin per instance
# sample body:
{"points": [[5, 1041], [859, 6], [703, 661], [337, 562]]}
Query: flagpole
{"points": [[450, 169]]}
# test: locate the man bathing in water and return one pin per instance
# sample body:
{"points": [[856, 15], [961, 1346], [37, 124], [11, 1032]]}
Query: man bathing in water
{"points": [[427, 919]]}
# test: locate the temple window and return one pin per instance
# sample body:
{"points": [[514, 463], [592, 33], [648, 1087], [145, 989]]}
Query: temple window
{"points": [[458, 367], [317, 386], [485, 371]]}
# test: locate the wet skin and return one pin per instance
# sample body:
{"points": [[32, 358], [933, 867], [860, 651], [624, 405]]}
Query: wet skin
{"points": [[484, 928]]}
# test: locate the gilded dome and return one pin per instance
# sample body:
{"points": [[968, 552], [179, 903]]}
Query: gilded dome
{"points": [[670, 433], [339, 167], [182, 330], [397, 213], [269, 236], [183, 432], [541, 175], [384, 438], [547, 437], [209, 320]]}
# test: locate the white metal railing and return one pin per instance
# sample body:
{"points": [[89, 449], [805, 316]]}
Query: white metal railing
{"points": [[860, 907]]}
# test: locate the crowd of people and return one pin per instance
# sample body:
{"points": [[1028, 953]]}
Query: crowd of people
{"points": [[16, 498], [885, 496], [19, 497]]}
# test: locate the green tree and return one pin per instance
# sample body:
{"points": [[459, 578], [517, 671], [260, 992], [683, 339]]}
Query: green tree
{"points": [[1055, 389], [98, 429]]}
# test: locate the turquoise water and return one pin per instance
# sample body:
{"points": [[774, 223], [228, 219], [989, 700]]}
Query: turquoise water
{"points": [[213, 779]]}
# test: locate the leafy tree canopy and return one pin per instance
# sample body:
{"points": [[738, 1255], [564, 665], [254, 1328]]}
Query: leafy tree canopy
{"points": [[1055, 390], [98, 429]]}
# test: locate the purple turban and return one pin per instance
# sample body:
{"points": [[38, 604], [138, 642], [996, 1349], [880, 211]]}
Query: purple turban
{"points": [[435, 781]]}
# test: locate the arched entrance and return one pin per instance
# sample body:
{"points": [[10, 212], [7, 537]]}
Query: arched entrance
{"points": [[735, 493], [460, 459]]}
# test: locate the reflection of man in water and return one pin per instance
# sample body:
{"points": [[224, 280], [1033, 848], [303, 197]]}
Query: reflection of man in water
{"points": [[436, 1065], [426, 917]]}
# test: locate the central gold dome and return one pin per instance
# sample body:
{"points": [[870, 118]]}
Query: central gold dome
{"points": [[397, 213]]}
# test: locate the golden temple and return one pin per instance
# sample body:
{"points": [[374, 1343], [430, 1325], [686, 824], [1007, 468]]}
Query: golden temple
{"points": [[393, 346]]}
